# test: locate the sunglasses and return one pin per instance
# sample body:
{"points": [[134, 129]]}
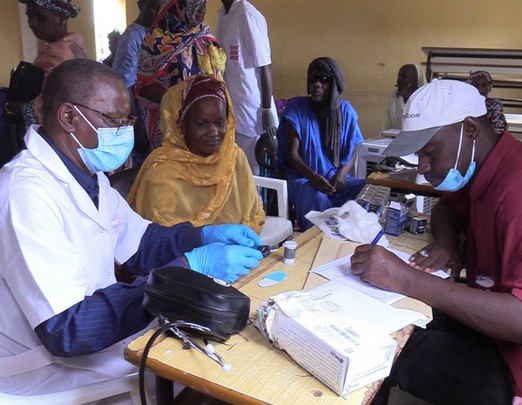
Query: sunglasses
{"points": [[117, 123], [321, 79]]}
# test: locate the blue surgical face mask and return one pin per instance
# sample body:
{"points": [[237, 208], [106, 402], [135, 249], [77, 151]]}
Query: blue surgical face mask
{"points": [[114, 147], [454, 180]]}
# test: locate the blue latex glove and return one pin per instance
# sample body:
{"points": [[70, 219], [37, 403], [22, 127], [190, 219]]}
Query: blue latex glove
{"points": [[225, 262], [239, 234]]}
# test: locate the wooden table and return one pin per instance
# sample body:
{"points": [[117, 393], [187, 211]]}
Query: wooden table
{"points": [[261, 374], [384, 179]]}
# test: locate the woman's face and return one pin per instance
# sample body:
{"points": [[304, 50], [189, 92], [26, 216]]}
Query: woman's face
{"points": [[204, 126], [482, 85], [46, 25]]}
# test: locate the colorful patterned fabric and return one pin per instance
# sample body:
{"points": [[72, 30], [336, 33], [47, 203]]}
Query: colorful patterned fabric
{"points": [[493, 105], [176, 47], [175, 185], [64, 7]]}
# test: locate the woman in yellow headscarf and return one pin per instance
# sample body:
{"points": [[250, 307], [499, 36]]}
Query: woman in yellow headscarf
{"points": [[199, 174]]}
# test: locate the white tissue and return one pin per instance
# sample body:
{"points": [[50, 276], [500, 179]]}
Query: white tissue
{"points": [[358, 225]]}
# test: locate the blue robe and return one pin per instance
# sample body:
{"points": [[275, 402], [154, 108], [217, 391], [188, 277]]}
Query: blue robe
{"points": [[301, 193]]}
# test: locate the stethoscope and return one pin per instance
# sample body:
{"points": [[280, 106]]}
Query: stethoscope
{"points": [[209, 350], [174, 327]]}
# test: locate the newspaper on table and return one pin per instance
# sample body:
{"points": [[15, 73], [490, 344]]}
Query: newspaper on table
{"points": [[338, 334]]}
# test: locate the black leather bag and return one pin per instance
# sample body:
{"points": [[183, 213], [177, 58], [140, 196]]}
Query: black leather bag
{"points": [[178, 294], [26, 82]]}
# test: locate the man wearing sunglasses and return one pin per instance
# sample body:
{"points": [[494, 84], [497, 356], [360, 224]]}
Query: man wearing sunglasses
{"points": [[318, 139], [65, 320]]}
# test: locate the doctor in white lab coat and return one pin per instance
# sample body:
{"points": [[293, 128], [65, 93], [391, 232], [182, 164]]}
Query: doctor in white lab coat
{"points": [[65, 320]]}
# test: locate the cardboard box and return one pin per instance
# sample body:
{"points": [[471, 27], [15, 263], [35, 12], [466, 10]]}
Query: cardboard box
{"points": [[319, 333], [396, 218], [374, 198], [416, 223]]}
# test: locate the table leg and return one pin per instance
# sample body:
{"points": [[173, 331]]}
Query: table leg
{"points": [[164, 391]]}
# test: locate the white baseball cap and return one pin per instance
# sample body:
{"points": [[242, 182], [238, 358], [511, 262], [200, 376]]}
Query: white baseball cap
{"points": [[432, 106]]}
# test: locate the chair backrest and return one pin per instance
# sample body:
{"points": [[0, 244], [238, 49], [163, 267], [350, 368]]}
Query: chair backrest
{"points": [[122, 180], [279, 185], [276, 229], [80, 395]]}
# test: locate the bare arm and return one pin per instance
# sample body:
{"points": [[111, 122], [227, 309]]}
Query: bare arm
{"points": [[339, 180], [498, 315], [295, 162]]}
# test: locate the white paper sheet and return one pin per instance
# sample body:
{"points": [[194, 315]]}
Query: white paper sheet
{"points": [[385, 318], [341, 270]]}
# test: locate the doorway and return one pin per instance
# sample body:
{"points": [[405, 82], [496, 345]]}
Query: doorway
{"points": [[109, 15]]}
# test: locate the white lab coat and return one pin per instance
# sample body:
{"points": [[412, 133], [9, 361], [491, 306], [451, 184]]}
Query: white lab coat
{"points": [[55, 249]]}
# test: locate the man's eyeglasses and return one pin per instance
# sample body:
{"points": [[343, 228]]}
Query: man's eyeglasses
{"points": [[321, 79], [129, 121]]}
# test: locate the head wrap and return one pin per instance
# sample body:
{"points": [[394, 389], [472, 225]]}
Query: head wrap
{"points": [[64, 7], [479, 74], [421, 76], [329, 112], [201, 87], [175, 185]]}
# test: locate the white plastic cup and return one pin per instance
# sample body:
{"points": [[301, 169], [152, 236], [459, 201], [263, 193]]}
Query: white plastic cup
{"points": [[290, 248]]}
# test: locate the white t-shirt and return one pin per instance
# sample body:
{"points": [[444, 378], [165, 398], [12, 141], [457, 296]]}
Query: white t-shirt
{"points": [[243, 34]]}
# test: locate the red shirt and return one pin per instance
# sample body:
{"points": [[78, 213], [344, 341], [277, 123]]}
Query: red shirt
{"points": [[492, 208]]}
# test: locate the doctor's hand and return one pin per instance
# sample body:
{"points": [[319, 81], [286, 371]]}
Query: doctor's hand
{"points": [[378, 266], [437, 256], [239, 234], [225, 262]]}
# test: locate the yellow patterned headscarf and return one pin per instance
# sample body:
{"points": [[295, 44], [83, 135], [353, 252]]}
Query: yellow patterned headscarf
{"points": [[175, 185]]}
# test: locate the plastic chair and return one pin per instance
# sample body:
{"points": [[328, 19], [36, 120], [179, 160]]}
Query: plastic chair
{"points": [[276, 229], [81, 395]]}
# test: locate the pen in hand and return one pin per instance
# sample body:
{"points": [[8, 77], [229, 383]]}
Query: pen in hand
{"points": [[378, 237]]}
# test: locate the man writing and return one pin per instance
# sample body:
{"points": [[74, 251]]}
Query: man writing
{"points": [[65, 320], [471, 353]]}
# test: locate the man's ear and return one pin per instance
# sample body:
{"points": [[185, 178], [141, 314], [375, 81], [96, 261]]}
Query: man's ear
{"points": [[67, 117], [471, 127]]}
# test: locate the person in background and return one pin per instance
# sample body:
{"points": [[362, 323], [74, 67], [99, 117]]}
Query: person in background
{"points": [[126, 63], [178, 45], [318, 138], [126, 57], [65, 320], [483, 82], [48, 21], [243, 34], [199, 174], [409, 79], [114, 38], [471, 352]]}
